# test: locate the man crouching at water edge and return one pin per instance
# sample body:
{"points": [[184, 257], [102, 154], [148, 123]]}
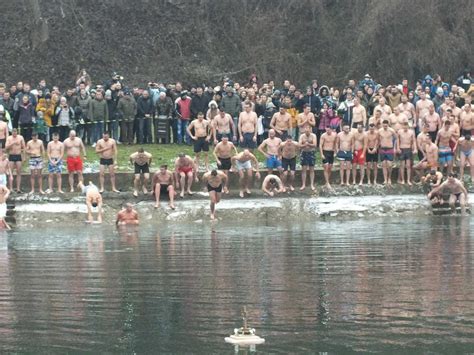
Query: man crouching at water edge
{"points": [[272, 185], [434, 179], [127, 216], [163, 183], [93, 200], [4, 193], [214, 180], [457, 192], [245, 163]]}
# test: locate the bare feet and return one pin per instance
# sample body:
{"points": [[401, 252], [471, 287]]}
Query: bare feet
{"points": [[48, 191], [409, 183], [61, 191], [145, 191], [226, 190], [241, 194], [172, 206], [157, 205], [190, 193], [292, 188], [302, 188], [212, 217], [115, 190], [42, 192], [72, 189], [181, 194], [401, 182], [101, 191], [248, 191], [32, 192], [313, 188], [135, 193]]}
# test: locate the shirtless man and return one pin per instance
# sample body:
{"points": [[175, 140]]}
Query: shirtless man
{"points": [[359, 115], [107, 150], [397, 119], [201, 138], [467, 120], [141, 161], [281, 123], [360, 149], [35, 149], [248, 128], [406, 148], [3, 133], [127, 216], [73, 147], [15, 145], [388, 146], [223, 152], [55, 152], [430, 159], [4, 194], [270, 149], [421, 140], [376, 119], [408, 109], [372, 155], [422, 106], [214, 182], [308, 143], [385, 109], [223, 125], [184, 168], [457, 192], [345, 149], [434, 179], [272, 185], [288, 151], [443, 140], [306, 118], [163, 182], [433, 121], [327, 147], [466, 150], [5, 172], [245, 163], [93, 200]]}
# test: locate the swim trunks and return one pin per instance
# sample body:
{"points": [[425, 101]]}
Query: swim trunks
{"points": [[372, 157], [283, 135], [74, 164], [3, 179], [106, 162], [273, 162], [433, 135], [445, 155], [36, 163], [288, 164], [201, 145], [406, 154], [2, 142], [212, 188], [386, 153], [55, 169], [226, 164], [14, 157], [163, 188], [467, 153], [219, 136], [141, 169], [185, 170], [328, 157], [307, 158], [248, 141], [344, 155], [243, 165], [359, 157]]}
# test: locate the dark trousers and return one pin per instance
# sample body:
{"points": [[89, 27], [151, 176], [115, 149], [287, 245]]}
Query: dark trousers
{"points": [[144, 130], [127, 132], [63, 132], [26, 129]]}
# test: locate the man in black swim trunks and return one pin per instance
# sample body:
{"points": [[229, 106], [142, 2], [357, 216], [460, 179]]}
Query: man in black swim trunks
{"points": [[214, 181], [288, 151], [223, 153], [141, 161], [327, 147], [163, 183], [201, 138], [107, 150], [15, 146]]}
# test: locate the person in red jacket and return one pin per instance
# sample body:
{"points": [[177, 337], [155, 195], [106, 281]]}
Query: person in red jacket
{"points": [[183, 111]]}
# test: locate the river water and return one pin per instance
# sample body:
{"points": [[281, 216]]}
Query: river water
{"points": [[378, 285]]}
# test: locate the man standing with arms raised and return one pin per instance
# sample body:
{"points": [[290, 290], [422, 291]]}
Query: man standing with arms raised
{"points": [[55, 151], [73, 147], [107, 149]]}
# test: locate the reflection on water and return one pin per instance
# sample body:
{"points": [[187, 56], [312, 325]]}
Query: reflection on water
{"points": [[387, 285]]}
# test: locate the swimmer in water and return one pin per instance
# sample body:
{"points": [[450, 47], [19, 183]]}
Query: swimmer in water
{"points": [[127, 216], [93, 200], [4, 193]]}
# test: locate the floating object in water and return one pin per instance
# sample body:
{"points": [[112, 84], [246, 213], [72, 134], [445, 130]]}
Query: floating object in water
{"points": [[244, 336]]}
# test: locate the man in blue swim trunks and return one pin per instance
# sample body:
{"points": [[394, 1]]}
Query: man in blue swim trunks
{"points": [[388, 147], [270, 147], [345, 149], [466, 146], [445, 154], [248, 128]]}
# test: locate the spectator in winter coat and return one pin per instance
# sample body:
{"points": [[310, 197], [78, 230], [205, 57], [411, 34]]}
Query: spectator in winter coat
{"points": [[127, 106], [164, 112], [65, 117], [98, 115], [199, 103], [26, 114]]}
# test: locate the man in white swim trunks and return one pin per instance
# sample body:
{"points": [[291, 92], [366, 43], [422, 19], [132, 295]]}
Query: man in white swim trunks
{"points": [[245, 162]]}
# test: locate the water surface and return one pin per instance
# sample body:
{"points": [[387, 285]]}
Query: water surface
{"points": [[378, 285]]}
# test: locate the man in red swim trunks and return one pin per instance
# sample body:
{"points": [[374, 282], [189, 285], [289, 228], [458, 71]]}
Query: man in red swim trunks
{"points": [[360, 148], [185, 167], [73, 147]]}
